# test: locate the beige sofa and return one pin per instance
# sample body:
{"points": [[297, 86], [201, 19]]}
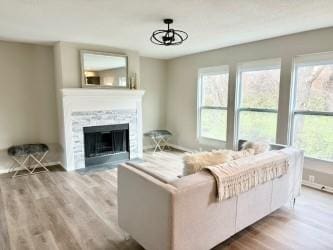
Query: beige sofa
{"points": [[184, 215]]}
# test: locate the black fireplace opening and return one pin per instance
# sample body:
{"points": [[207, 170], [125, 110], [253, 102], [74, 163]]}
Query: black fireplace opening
{"points": [[106, 144]]}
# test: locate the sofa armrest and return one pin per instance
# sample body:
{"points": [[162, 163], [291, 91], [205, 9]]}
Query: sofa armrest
{"points": [[145, 208]]}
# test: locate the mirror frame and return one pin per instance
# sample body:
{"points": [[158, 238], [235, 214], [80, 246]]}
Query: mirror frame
{"points": [[83, 81]]}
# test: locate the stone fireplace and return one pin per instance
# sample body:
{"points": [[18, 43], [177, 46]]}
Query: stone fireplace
{"points": [[87, 123], [106, 144], [101, 126]]}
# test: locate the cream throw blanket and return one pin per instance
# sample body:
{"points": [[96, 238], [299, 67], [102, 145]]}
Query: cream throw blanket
{"points": [[241, 175]]}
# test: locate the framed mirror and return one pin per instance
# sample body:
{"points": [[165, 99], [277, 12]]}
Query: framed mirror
{"points": [[103, 70]]}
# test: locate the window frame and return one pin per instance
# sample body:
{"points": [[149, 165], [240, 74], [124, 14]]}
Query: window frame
{"points": [[223, 69], [267, 64], [325, 58]]}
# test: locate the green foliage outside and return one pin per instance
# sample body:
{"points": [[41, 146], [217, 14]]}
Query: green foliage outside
{"points": [[260, 89], [314, 134], [257, 126], [214, 124]]}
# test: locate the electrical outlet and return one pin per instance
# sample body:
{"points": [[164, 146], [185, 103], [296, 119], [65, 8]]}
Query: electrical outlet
{"points": [[311, 178]]}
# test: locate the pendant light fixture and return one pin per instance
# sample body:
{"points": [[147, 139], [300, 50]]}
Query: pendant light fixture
{"points": [[169, 36]]}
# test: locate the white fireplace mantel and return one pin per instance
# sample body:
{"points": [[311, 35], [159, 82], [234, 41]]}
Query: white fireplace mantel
{"points": [[84, 107], [101, 92]]}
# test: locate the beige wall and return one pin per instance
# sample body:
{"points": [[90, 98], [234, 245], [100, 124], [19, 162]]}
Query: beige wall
{"points": [[70, 64], [27, 96], [182, 81], [154, 82]]}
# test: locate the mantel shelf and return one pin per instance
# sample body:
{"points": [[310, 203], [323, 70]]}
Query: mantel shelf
{"points": [[101, 92]]}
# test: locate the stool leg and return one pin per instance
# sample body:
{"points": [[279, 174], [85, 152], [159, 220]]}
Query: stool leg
{"points": [[11, 169], [165, 143], [39, 162], [22, 164], [157, 144]]}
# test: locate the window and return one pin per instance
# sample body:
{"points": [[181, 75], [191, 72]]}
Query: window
{"points": [[258, 98], [312, 110], [212, 102]]}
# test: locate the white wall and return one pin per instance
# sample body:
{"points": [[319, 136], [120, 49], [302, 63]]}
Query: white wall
{"points": [[182, 82], [154, 82], [27, 97]]}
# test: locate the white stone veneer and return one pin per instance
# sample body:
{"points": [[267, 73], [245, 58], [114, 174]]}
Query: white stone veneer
{"points": [[83, 119]]}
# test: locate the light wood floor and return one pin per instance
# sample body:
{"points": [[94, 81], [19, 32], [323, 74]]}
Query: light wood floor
{"points": [[69, 210]]}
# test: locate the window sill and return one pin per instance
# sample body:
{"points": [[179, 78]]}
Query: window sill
{"points": [[211, 142], [317, 159]]}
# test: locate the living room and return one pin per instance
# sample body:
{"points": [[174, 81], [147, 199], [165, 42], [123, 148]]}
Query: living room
{"points": [[166, 125]]}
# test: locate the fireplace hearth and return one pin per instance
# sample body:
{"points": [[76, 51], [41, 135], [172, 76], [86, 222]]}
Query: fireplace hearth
{"points": [[106, 144]]}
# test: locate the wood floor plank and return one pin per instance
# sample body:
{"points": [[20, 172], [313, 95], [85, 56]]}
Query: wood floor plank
{"points": [[36, 187], [266, 239], [279, 233], [44, 241], [98, 203], [82, 225], [22, 239], [4, 236], [52, 219]]}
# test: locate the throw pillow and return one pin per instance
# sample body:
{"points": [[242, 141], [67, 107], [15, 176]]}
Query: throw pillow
{"points": [[258, 147], [197, 161], [243, 153]]}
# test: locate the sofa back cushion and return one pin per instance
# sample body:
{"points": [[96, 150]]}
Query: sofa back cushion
{"points": [[165, 173]]}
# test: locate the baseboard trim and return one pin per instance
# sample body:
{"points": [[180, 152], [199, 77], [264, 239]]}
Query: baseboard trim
{"points": [[5, 171], [317, 186], [173, 146], [53, 163], [148, 147], [181, 147]]}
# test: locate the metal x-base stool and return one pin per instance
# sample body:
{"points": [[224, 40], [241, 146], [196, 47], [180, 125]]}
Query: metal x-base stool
{"points": [[28, 157], [159, 138]]}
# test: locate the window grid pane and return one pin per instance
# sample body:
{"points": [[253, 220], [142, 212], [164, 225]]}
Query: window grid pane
{"points": [[259, 126], [260, 89], [314, 88], [213, 124], [314, 134], [214, 89]]}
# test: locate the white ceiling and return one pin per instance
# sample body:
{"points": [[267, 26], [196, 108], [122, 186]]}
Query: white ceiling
{"points": [[128, 24]]}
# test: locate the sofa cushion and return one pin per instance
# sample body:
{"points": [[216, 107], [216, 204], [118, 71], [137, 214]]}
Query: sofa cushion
{"points": [[165, 173], [196, 162]]}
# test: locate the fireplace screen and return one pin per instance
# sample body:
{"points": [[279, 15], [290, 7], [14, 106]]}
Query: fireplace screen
{"points": [[105, 144]]}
